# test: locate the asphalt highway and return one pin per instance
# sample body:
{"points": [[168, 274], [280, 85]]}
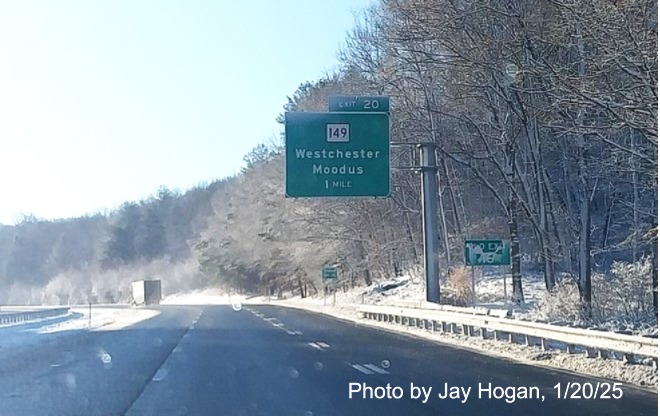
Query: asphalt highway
{"points": [[268, 360]]}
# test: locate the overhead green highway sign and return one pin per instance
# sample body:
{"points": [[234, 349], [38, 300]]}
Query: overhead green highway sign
{"points": [[337, 154], [487, 252], [352, 103]]}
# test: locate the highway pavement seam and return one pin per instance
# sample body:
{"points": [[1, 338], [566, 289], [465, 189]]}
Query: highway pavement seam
{"points": [[161, 371]]}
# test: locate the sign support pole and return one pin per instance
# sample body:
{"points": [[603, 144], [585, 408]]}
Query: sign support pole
{"points": [[474, 287], [506, 298], [334, 294], [430, 220]]}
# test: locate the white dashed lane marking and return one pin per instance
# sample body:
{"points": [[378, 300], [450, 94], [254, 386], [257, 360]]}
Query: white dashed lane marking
{"points": [[278, 324], [318, 345], [315, 345], [275, 322], [368, 369], [160, 374]]}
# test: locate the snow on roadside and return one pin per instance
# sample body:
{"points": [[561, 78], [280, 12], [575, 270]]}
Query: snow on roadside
{"points": [[489, 288], [641, 375], [411, 288], [210, 296], [490, 293], [106, 319], [103, 319]]}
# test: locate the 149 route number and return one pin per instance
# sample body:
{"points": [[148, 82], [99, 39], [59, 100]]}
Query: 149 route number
{"points": [[337, 133]]}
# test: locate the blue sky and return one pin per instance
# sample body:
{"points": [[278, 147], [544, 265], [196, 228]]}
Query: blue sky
{"points": [[102, 102]]}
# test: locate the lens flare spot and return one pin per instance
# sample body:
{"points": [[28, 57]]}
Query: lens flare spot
{"points": [[293, 373]]}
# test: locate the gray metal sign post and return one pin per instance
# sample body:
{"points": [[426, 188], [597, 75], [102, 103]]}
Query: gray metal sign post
{"points": [[430, 220], [487, 253]]}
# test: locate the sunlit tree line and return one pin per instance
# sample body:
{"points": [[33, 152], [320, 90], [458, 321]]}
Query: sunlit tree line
{"points": [[544, 114]]}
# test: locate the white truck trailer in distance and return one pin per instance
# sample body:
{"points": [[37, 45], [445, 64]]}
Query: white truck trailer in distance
{"points": [[147, 292]]}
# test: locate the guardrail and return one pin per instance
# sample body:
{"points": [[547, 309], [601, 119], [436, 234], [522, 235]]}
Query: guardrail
{"points": [[472, 310], [593, 342], [16, 317]]}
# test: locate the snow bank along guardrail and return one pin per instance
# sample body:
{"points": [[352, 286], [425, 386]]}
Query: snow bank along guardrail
{"points": [[479, 322], [16, 317]]}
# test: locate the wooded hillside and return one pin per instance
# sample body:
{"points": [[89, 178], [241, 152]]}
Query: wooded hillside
{"points": [[545, 118]]}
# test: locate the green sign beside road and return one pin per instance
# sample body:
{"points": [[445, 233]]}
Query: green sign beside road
{"points": [[351, 103], [487, 252], [337, 154], [329, 272]]}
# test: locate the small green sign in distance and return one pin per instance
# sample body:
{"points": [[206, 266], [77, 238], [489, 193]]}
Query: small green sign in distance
{"points": [[364, 104], [337, 154], [329, 272], [487, 252]]}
